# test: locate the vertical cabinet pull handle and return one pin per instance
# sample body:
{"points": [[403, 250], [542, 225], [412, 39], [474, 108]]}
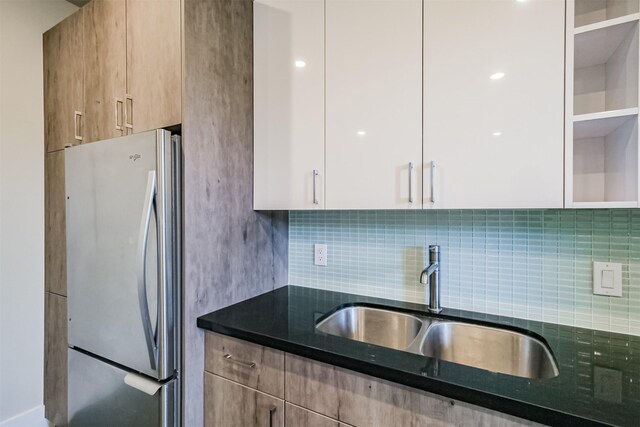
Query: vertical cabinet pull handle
{"points": [[128, 114], [410, 182], [272, 411], [77, 122], [118, 113], [433, 177], [315, 191]]}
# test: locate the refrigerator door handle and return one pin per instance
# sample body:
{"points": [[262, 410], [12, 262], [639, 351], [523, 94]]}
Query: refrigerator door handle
{"points": [[142, 269]]}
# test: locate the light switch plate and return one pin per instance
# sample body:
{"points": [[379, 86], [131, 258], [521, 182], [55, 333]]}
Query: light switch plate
{"points": [[320, 255], [607, 279]]}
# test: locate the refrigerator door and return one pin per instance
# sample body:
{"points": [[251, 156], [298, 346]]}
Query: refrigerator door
{"points": [[100, 396], [120, 251]]}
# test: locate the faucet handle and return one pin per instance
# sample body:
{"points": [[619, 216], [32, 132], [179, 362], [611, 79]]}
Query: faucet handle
{"points": [[434, 253]]}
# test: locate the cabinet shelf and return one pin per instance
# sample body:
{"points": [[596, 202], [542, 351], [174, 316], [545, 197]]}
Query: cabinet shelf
{"points": [[605, 160], [589, 12], [606, 67], [601, 124], [597, 46], [607, 24], [604, 205]]}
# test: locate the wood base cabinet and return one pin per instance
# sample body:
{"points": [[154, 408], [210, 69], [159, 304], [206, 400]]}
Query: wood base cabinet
{"points": [[320, 395], [231, 404]]}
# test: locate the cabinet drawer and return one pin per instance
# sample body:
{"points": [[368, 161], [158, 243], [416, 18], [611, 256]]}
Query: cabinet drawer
{"points": [[361, 400], [249, 364], [230, 404]]}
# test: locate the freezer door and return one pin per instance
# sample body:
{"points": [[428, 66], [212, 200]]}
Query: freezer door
{"points": [[121, 285], [99, 396]]}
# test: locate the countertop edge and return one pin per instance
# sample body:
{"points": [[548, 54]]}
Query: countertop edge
{"points": [[441, 388]]}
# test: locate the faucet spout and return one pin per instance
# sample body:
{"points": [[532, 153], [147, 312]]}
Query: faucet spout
{"points": [[430, 277], [425, 276]]}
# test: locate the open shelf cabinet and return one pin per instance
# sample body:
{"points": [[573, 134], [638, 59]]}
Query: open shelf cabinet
{"points": [[601, 149]]}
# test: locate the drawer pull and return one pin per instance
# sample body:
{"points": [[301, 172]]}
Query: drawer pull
{"points": [[272, 411], [230, 358]]}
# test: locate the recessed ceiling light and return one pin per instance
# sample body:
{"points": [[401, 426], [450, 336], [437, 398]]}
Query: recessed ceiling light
{"points": [[300, 64], [361, 133], [497, 133], [496, 76]]}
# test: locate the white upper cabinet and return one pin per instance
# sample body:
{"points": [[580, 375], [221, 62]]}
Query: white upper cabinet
{"points": [[288, 104], [374, 104], [493, 103]]}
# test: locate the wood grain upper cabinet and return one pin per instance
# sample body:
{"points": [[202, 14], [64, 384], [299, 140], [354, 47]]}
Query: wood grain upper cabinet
{"points": [[154, 92], [493, 103], [105, 65], [373, 104], [63, 105], [288, 104]]}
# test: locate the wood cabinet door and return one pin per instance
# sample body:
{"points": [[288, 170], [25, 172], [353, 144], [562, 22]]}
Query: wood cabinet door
{"points": [[55, 359], [105, 57], [154, 85], [55, 240], [493, 104], [63, 76], [373, 104], [288, 41], [229, 404]]}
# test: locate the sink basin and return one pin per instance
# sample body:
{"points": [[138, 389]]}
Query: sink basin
{"points": [[492, 349], [374, 326], [484, 347]]}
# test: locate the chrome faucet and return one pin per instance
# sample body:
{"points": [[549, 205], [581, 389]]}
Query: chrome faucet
{"points": [[430, 277]]}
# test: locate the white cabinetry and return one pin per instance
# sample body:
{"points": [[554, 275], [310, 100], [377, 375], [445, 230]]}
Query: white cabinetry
{"points": [[288, 104], [493, 104], [373, 104], [602, 104]]}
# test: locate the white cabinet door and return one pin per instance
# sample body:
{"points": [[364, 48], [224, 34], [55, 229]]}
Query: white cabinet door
{"points": [[373, 103], [493, 103], [288, 104]]}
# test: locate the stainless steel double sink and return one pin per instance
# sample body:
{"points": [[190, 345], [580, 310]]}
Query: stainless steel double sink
{"points": [[485, 347]]}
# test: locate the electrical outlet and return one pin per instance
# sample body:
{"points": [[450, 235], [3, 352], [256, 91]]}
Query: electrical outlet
{"points": [[320, 254]]}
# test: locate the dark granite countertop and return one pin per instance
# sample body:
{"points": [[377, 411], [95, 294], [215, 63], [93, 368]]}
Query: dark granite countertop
{"points": [[599, 381]]}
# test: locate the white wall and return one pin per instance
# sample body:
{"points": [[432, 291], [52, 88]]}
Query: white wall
{"points": [[22, 23]]}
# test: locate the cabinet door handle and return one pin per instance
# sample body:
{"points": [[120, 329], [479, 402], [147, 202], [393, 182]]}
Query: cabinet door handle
{"points": [[128, 114], [272, 411], [230, 358], [118, 113], [410, 182], [77, 122], [433, 178], [315, 192]]}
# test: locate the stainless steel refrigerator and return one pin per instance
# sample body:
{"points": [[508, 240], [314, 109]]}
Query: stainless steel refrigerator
{"points": [[123, 268]]}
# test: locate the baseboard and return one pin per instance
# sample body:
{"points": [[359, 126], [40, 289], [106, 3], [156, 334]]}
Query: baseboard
{"points": [[31, 418]]}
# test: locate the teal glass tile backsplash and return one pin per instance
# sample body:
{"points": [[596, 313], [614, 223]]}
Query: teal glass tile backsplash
{"points": [[532, 264]]}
